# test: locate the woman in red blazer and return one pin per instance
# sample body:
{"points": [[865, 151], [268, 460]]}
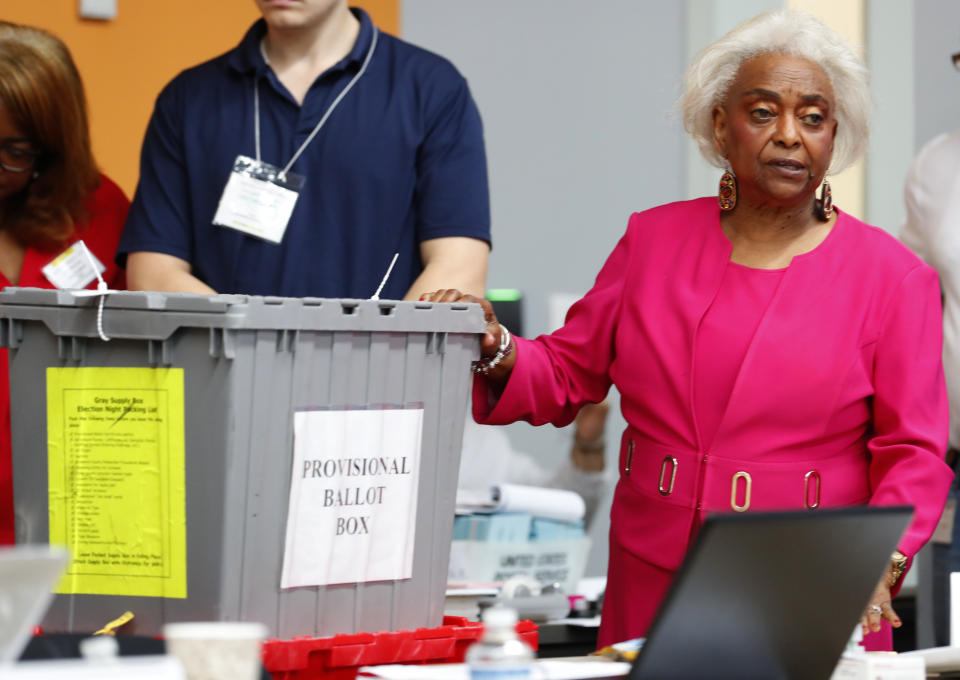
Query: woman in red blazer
{"points": [[51, 193], [771, 351]]}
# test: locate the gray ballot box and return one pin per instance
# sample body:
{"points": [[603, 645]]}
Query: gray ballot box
{"points": [[194, 530]]}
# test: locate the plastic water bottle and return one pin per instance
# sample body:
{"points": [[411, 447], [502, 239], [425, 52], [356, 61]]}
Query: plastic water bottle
{"points": [[499, 654]]}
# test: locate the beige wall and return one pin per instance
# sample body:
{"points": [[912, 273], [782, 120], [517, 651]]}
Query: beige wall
{"points": [[125, 62], [847, 17]]}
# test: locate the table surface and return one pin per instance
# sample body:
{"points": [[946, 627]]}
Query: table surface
{"points": [[560, 639]]}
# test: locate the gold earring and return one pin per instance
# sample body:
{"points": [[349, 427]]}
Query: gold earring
{"points": [[727, 195]]}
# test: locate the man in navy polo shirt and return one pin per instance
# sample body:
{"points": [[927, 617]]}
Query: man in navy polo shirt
{"points": [[302, 161]]}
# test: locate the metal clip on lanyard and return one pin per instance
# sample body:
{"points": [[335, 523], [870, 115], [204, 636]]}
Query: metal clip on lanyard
{"points": [[306, 142]]}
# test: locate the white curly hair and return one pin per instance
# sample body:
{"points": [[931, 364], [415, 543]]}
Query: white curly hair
{"points": [[789, 32]]}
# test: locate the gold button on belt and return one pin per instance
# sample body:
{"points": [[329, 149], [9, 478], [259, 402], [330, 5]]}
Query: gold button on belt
{"points": [[733, 491], [808, 479], [667, 489]]}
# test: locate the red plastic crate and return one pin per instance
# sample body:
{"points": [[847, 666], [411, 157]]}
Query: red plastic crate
{"points": [[339, 657]]}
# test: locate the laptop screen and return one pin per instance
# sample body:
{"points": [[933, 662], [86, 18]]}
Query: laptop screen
{"points": [[770, 595], [28, 575]]}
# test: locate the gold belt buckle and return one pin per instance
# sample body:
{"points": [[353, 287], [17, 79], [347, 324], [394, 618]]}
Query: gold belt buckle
{"points": [[812, 475], [663, 472], [733, 491]]}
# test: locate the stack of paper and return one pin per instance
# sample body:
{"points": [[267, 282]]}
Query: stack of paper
{"points": [[557, 504], [553, 530], [465, 601], [503, 527], [555, 670]]}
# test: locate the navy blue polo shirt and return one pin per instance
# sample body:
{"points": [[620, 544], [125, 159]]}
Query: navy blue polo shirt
{"points": [[401, 160]]}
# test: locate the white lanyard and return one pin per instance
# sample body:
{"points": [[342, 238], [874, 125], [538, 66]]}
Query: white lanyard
{"points": [[259, 198], [306, 143]]}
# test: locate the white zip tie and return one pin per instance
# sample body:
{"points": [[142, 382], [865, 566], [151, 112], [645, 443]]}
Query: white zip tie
{"points": [[383, 282], [103, 336], [102, 289]]}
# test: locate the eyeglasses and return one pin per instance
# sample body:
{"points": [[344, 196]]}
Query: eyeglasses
{"points": [[16, 158], [955, 58]]}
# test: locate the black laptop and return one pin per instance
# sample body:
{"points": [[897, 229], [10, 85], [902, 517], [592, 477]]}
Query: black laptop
{"points": [[770, 595]]}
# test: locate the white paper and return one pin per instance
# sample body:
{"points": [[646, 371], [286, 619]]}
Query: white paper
{"points": [[472, 591], [71, 269], [554, 670], [938, 659], [255, 207], [123, 668], [353, 497], [591, 622], [558, 504], [878, 666]]}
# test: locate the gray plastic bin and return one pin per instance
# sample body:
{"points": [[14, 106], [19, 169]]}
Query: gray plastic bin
{"points": [[248, 364]]}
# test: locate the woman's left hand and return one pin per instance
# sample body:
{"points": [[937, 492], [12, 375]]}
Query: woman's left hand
{"points": [[880, 607]]}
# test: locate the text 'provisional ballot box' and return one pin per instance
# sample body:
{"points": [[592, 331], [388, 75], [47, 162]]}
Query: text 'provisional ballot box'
{"points": [[288, 461]]}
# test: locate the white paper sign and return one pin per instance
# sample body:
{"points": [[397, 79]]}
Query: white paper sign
{"points": [[73, 268], [353, 497]]}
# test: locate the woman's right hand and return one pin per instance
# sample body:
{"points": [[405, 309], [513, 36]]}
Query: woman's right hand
{"points": [[490, 344]]}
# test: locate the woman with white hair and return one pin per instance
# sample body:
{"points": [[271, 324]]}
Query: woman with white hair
{"points": [[771, 351]]}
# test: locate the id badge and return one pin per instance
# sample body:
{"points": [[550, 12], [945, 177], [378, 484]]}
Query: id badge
{"points": [[74, 268], [258, 199]]}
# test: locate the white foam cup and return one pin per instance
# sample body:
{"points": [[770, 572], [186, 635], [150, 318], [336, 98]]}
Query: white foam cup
{"points": [[219, 650]]}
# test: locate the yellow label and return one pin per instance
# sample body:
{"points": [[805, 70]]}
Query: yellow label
{"points": [[116, 479], [61, 257]]}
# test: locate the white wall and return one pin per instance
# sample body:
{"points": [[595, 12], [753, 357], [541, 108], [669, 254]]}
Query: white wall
{"points": [[575, 98], [707, 20], [890, 57], [936, 85]]}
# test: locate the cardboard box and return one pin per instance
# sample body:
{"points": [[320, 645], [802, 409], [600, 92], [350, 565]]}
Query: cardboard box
{"points": [[560, 562]]}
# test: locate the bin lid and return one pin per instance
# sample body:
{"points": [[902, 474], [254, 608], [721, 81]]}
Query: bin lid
{"points": [[155, 315]]}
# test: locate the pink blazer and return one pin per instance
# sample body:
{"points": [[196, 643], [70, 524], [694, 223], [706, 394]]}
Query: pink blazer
{"points": [[840, 399]]}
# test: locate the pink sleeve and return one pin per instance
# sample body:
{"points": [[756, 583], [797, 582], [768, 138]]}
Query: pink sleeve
{"points": [[555, 374], [910, 412]]}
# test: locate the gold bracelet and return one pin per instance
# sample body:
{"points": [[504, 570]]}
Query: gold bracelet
{"points": [[898, 562]]}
